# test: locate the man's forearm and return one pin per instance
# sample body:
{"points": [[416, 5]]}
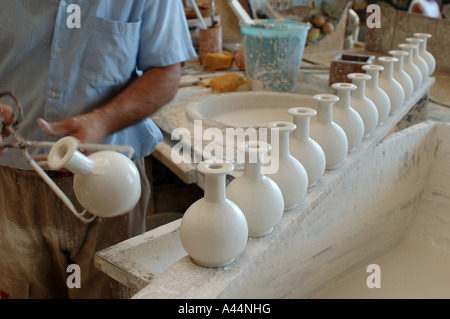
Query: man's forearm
{"points": [[142, 98]]}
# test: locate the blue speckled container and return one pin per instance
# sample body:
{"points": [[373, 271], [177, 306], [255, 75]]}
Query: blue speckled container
{"points": [[273, 51]]}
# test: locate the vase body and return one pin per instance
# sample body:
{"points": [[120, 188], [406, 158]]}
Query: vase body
{"points": [[214, 230], [365, 107], [106, 183], [409, 66], [399, 73], [259, 197], [307, 151], [346, 117], [330, 136], [377, 95], [418, 60], [291, 176], [426, 55], [390, 85]]}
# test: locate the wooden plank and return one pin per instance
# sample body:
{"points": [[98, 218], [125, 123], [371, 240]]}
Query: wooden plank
{"points": [[185, 171]]}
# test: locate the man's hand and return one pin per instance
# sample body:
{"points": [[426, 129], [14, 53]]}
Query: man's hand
{"points": [[87, 128]]}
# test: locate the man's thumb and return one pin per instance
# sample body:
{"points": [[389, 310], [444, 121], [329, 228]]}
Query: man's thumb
{"points": [[52, 128]]}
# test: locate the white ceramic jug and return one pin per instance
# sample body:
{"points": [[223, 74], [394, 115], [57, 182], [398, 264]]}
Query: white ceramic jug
{"points": [[346, 117], [431, 61], [409, 66], [390, 85], [214, 230], [365, 107], [399, 73], [330, 136], [307, 151], [106, 183], [291, 176], [418, 60], [258, 196], [376, 94]]}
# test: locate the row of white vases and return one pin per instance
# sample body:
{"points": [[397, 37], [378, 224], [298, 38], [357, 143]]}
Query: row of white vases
{"points": [[214, 230]]}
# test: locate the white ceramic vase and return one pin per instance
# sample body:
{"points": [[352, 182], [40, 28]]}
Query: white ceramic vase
{"points": [[377, 95], [307, 151], [330, 136], [214, 230], [290, 175], [418, 60], [106, 183], [258, 196], [390, 85], [426, 55], [400, 75], [409, 66], [346, 117], [365, 107]]}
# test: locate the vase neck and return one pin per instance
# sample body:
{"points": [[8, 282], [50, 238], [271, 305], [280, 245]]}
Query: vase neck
{"points": [[215, 188], [373, 82], [325, 113], [423, 45], [388, 71], [360, 91], [253, 165], [302, 130], [65, 154], [399, 65], [408, 58], [344, 98], [284, 144], [80, 164]]}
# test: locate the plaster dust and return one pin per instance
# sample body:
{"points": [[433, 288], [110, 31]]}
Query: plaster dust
{"points": [[412, 270]]}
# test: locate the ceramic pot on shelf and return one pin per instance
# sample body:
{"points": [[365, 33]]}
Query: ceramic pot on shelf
{"points": [[426, 55], [418, 60], [307, 151], [258, 196], [399, 73], [390, 85], [214, 230], [365, 107], [330, 136], [284, 169], [346, 117], [409, 66], [106, 183], [377, 95]]}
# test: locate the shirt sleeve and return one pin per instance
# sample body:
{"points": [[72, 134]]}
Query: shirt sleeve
{"points": [[165, 37]]}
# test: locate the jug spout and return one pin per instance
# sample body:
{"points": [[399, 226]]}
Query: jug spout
{"points": [[65, 154]]}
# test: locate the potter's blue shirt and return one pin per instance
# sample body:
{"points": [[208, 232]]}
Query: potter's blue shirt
{"points": [[57, 71]]}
